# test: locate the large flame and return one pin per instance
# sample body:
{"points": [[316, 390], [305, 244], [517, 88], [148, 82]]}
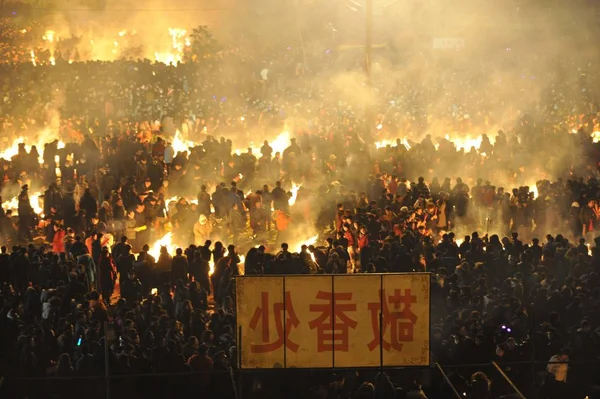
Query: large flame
{"points": [[308, 242], [533, 189], [461, 142], [13, 149], [180, 145], [465, 143], [294, 191], [49, 36], [278, 144], [34, 200], [165, 241], [281, 142], [178, 42], [392, 143]]}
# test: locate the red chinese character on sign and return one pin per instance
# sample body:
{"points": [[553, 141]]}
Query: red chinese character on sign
{"points": [[401, 319], [262, 313], [333, 325]]}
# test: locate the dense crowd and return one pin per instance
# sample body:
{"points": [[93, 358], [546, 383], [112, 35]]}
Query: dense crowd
{"points": [[150, 152]]}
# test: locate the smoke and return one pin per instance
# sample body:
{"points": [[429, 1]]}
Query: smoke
{"points": [[520, 69], [125, 30]]}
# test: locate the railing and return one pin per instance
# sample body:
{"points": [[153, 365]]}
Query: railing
{"points": [[439, 382], [109, 381]]}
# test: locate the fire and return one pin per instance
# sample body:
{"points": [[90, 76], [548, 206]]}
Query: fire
{"points": [[281, 142], [294, 191], [533, 189], [278, 144], [49, 36], [461, 142], [180, 145], [13, 150], [165, 241], [173, 200], [595, 137], [123, 32], [176, 36], [34, 200], [392, 143], [178, 42], [310, 241], [33, 58], [465, 143], [385, 143]]}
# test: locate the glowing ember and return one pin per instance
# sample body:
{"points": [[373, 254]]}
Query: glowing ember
{"points": [[32, 58], [595, 137]]}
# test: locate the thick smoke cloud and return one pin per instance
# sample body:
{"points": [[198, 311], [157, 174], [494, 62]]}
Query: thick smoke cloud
{"points": [[520, 69]]}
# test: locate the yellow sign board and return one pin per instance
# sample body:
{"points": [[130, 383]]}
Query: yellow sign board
{"points": [[333, 321]]}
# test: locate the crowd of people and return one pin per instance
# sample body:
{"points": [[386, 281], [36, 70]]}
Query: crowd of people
{"points": [[165, 190]]}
